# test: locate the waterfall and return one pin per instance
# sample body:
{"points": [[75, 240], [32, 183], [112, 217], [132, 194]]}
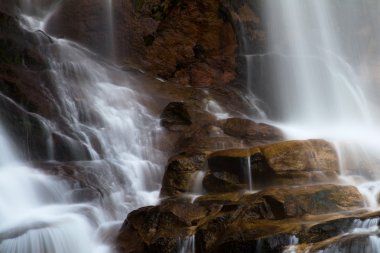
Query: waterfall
{"points": [[316, 70], [317, 85], [100, 108], [318, 79]]}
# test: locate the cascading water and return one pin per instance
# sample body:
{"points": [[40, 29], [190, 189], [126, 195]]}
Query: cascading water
{"points": [[317, 77], [96, 101], [317, 85]]}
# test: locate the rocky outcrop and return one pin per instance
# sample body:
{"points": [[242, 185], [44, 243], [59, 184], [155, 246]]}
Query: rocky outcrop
{"points": [[29, 99], [188, 42], [281, 163], [235, 222]]}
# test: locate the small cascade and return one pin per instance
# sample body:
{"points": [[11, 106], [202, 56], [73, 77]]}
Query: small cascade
{"points": [[197, 185], [311, 78], [187, 245], [101, 120], [214, 108], [35, 215], [249, 173], [273, 244], [365, 226], [374, 243]]}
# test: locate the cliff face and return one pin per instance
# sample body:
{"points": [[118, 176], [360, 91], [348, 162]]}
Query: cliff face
{"points": [[188, 42]]}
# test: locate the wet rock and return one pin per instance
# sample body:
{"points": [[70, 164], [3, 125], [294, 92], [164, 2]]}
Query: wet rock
{"points": [[27, 131], [175, 116], [222, 182], [89, 180], [248, 129], [335, 226], [281, 163], [158, 229], [248, 23], [344, 243], [268, 220], [180, 173], [23, 68], [280, 203]]}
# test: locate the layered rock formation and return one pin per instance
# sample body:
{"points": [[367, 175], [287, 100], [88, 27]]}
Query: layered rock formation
{"points": [[292, 205]]}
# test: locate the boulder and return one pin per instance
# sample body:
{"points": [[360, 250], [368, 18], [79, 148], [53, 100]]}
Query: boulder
{"points": [[268, 220], [248, 129], [280, 163], [281, 203]]}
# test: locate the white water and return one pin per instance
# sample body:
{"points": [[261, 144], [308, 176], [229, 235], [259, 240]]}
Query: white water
{"points": [[319, 82], [317, 78], [95, 100], [187, 245]]}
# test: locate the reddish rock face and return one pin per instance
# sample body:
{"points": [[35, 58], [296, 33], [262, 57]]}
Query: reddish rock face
{"points": [[189, 42]]}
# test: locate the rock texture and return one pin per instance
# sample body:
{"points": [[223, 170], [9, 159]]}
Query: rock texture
{"points": [[188, 42], [234, 222], [280, 163], [291, 203]]}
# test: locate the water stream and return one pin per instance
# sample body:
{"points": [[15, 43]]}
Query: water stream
{"points": [[317, 87], [324, 88], [317, 80], [100, 109]]}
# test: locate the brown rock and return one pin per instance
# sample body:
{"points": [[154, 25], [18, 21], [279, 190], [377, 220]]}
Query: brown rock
{"points": [[188, 42], [280, 203], [245, 128], [157, 229], [180, 174], [220, 182], [268, 220], [175, 116], [281, 163]]}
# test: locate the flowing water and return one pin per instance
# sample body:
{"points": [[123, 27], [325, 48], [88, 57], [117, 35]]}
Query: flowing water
{"points": [[324, 86], [319, 79], [321, 84], [99, 108]]}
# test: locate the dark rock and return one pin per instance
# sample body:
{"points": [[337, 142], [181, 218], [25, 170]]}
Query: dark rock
{"points": [[268, 220], [180, 172], [175, 116], [222, 182]]}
